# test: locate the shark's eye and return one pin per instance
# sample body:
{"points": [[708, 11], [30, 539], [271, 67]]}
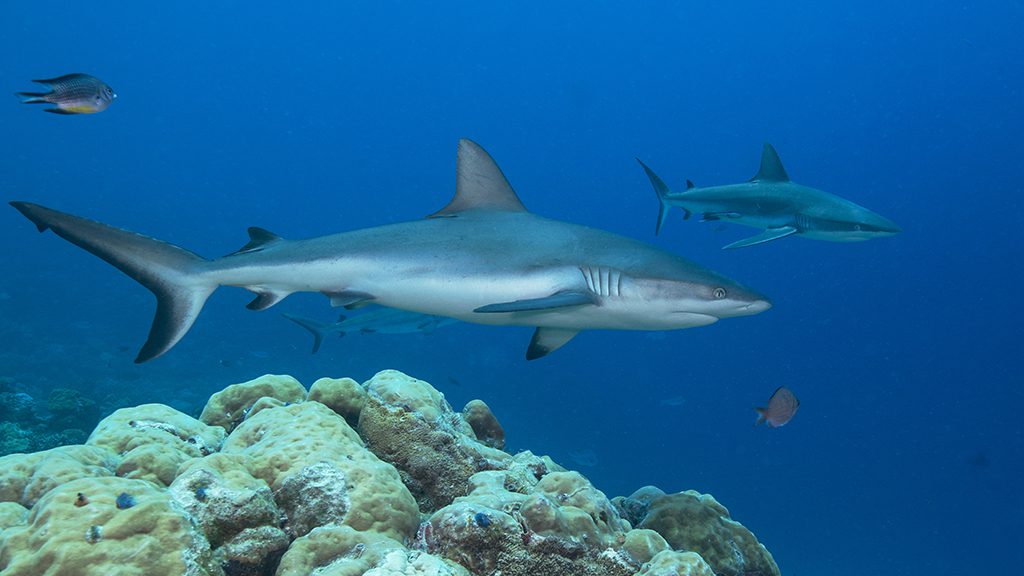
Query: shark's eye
{"points": [[719, 293]]}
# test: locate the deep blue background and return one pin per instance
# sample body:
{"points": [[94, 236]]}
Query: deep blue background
{"points": [[906, 453]]}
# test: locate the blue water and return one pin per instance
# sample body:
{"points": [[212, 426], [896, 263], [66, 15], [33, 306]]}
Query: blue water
{"points": [[907, 451]]}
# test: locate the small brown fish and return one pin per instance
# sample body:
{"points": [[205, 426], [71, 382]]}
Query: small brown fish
{"points": [[781, 408], [72, 94]]}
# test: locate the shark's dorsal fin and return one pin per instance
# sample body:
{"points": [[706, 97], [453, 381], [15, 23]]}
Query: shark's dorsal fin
{"points": [[479, 184], [771, 167], [259, 239]]}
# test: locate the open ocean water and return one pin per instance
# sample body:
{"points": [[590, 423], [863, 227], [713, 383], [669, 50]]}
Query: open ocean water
{"points": [[310, 118]]}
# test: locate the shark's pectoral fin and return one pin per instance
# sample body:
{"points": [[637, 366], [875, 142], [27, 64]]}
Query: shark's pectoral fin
{"points": [[556, 300], [265, 299], [766, 236], [547, 340], [350, 299]]}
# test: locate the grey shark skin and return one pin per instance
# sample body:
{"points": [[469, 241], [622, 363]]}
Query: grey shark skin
{"points": [[381, 320], [482, 258], [772, 202]]}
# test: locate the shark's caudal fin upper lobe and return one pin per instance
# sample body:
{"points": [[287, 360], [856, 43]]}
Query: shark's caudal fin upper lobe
{"points": [[662, 190], [172, 274], [317, 329]]}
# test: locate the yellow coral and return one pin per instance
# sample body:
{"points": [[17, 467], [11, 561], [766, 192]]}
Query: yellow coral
{"points": [[100, 539], [229, 406]]}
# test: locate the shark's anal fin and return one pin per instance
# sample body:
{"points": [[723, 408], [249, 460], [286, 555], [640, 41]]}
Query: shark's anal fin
{"points": [[766, 236], [546, 340], [556, 300], [350, 299], [771, 167]]}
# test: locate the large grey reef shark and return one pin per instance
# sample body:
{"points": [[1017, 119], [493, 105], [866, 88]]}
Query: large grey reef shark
{"points": [[770, 200], [377, 320], [482, 258]]}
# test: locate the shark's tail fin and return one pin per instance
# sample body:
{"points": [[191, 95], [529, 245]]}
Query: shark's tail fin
{"points": [[174, 275], [317, 329], [662, 190]]}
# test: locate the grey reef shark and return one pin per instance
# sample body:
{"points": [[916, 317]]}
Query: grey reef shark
{"points": [[483, 258], [770, 200], [378, 320]]}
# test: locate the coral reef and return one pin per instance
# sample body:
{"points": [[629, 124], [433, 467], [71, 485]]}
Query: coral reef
{"points": [[408, 423], [698, 523], [26, 426], [71, 409], [375, 479], [228, 407]]}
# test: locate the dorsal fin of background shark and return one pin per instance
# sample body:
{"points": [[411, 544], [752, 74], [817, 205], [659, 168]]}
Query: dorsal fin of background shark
{"points": [[771, 167], [482, 258]]}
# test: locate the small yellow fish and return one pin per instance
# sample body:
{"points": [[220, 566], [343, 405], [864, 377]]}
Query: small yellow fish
{"points": [[72, 94]]}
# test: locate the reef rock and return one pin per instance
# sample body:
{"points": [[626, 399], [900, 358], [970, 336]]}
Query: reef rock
{"points": [[321, 473], [153, 440], [87, 527], [25, 478], [698, 523], [408, 423], [229, 407], [343, 395], [275, 482], [485, 426]]}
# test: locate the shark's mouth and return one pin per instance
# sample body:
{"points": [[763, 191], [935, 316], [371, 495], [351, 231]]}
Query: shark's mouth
{"points": [[694, 318]]}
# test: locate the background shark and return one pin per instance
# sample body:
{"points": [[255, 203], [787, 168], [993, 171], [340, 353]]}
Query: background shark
{"points": [[482, 258], [773, 202], [379, 319]]}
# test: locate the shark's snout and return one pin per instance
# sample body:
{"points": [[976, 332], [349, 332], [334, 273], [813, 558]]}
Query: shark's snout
{"points": [[746, 302], [757, 306]]}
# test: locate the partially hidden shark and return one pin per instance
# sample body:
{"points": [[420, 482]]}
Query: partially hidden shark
{"points": [[770, 200], [482, 258], [379, 320]]}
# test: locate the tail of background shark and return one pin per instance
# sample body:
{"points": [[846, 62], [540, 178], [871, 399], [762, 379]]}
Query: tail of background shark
{"points": [[174, 275], [662, 190], [318, 329]]}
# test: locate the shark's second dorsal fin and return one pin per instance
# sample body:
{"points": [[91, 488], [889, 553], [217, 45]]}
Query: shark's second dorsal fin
{"points": [[258, 240], [479, 184], [771, 167]]}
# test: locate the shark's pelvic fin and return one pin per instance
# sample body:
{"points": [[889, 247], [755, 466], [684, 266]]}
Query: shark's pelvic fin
{"points": [[266, 298], [662, 190], [771, 167], [174, 275], [766, 236], [547, 340], [479, 184], [259, 239], [317, 329], [556, 300]]}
